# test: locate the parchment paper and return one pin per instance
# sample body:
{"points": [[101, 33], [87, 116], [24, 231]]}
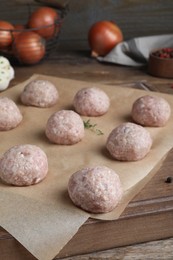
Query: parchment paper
{"points": [[42, 217]]}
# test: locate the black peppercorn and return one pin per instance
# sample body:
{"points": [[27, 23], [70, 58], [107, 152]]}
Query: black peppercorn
{"points": [[168, 179]]}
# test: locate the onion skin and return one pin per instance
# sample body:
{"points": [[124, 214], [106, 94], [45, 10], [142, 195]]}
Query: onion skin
{"points": [[103, 36], [18, 28], [29, 47], [44, 18], [5, 34]]}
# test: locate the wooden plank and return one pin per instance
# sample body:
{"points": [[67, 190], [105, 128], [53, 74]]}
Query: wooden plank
{"points": [[148, 217], [161, 249], [135, 18], [149, 214]]}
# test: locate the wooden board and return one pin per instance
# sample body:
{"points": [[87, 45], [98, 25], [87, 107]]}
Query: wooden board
{"points": [[148, 217]]}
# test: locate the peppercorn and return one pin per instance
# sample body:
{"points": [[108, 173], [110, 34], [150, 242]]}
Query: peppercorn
{"points": [[168, 179], [164, 53]]}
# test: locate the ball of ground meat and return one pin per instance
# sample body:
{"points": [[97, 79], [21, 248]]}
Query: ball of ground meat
{"points": [[10, 115], [65, 127], [91, 102], [151, 111], [39, 93], [129, 142], [95, 189], [23, 165]]}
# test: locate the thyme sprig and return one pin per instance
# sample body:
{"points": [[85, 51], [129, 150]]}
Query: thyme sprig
{"points": [[92, 127]]}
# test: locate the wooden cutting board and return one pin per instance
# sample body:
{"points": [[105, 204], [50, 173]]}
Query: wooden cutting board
{"points": [[148, 217]]}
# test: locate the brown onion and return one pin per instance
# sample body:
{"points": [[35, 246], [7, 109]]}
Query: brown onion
{"points": [[18, 28], [103, 36], [44, 19], [5, 33], [29, 47]]}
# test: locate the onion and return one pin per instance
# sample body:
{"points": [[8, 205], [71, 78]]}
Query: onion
{"points": [[44, 20], [29, 47], [103, 36], [5, 34], [18, 28]]}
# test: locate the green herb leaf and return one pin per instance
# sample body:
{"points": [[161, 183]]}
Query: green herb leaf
{"points": [[92, 127]]}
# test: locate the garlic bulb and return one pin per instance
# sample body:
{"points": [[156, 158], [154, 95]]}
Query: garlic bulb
{"points": [[6, 73]]}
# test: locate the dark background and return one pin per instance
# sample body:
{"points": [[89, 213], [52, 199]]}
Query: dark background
{"points": [[135, 17]]}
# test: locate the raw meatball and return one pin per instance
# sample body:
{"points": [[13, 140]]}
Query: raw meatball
{"points": [[39, 93], [65, 127], [91, 102], [151, 111], [10, 115], [23, 165], [96, 190], [129, 142]]}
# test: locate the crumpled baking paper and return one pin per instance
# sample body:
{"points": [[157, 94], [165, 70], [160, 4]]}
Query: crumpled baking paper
{"points": [[42, 217]]}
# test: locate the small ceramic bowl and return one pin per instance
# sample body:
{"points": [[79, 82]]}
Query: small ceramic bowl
{"points": [[160, 63]]}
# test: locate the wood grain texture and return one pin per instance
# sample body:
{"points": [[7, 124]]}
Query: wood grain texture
{"points": [[135, 18], [79, 65], [149, 216], [160, 250]]}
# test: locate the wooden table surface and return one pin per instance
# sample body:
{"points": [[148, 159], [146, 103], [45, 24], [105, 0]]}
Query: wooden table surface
{"points": [[78, 65]]}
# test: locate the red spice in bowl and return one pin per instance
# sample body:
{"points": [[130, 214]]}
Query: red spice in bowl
{"points": [[161, 63]]}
